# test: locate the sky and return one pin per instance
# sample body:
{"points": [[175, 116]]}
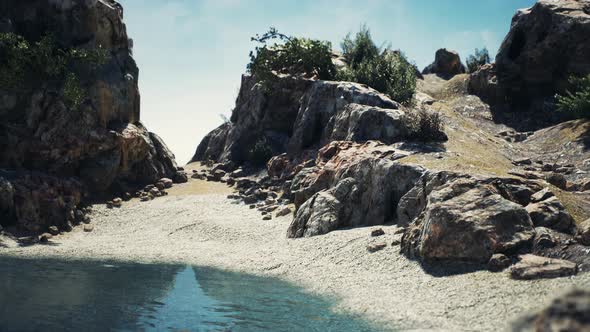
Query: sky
{"points": [[192, 53]]}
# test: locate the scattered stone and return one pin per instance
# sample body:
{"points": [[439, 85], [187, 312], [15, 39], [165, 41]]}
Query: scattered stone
{"points": [[270, 201], [117, 202], [53, 230], [396, 242], [499, 262], [86, 219], [198, 176], [522, 162], [45, 237], [230, 181], [88, 228], [378, 232], [155, 192], [148, 188], [284, 212], [536, 267], [79, 216], [252, 206], [376, 247], [109, 204], [159, 185], [127, 197], [167, 182], [180, 177], [267, 217]]}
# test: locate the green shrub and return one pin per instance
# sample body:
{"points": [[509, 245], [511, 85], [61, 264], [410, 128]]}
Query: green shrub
{"points": [[426, 126], [260, 153], [360, 49], [480, 58], [290, 55], [25, 66], [386, 71], [576, 100]]}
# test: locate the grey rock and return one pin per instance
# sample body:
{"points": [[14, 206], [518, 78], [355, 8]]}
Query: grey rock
{"points": [[536, 267], [552, 214], [498, 262]]}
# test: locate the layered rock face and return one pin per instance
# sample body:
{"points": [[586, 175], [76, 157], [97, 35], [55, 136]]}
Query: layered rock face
{"points": [[446, 64], [102, 143], [298, 114], [546, 44]]}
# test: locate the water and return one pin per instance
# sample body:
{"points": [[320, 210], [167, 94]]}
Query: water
{"points": [[50, 295]]}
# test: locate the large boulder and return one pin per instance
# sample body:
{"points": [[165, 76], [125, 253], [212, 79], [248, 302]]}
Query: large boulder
{"points": [[297, 114], [351, 185], [102, 142], [446, 64], [459, 218], [546, 44]]}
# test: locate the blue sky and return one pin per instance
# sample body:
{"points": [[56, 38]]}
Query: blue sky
{"points": [[191, 53]]}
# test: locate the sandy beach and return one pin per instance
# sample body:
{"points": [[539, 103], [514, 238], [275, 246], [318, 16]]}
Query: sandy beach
{"points": [[197, 224]]}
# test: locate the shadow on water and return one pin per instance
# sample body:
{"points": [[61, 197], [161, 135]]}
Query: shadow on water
{"points": [[55, 295]]}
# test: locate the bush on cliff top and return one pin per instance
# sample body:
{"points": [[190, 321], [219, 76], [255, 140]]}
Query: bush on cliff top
{"points": [[576, 100], [383, 69], [281, 54], [27, 65], [477, 60]]}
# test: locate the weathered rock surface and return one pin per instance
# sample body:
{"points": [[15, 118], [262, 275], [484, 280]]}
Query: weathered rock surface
{"points": [[536, 267], [546, 44], [102, 143], [303, 114], [551, 213], [583, 234], [464, 219], [351, 185], [570, 312], [446, 64]]}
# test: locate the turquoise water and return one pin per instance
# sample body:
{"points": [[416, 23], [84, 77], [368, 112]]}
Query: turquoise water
{"points": [[50, 295]]}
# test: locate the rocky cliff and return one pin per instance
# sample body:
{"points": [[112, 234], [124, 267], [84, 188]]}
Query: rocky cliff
{"points": [[348, 156], [54, 153]]}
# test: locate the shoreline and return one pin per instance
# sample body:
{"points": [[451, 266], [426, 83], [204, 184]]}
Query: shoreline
{"points": [[193, 226]]}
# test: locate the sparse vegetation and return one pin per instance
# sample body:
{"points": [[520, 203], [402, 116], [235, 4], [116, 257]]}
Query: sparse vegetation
{"points": [[478, 59], [576, 100], [427, 126], [383, 69], [26, 65], [260, 153], [290, 55]]}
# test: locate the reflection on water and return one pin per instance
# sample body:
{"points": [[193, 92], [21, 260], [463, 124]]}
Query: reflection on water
{"points": [[50, 295]]}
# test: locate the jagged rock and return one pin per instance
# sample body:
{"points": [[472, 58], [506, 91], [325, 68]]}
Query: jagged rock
{"points": [[557, 180], [537, 267], [583, 234], [542, 195], [551, 213], [498, 262], [366, 184], [546, 44], [446, 64], [484, 83], [570, 312], [463, 220], [102, 145], [302, 114]]}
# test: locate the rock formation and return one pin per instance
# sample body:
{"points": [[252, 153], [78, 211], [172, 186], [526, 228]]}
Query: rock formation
{"points": [[300, 114], [570, 312], [446, 64], [546, 44], [57, 153]]}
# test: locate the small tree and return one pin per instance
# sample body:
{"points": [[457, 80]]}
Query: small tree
{"points": [[576, 100], [290, 55], [384, 70], [477, 60]]}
